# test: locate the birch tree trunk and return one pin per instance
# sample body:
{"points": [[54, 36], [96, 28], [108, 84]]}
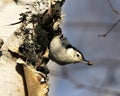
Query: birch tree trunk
{"points": [[11, 82], [23, 69]]}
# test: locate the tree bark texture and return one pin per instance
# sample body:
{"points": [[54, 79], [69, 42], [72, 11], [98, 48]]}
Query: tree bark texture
{"points": [[24, 56]]}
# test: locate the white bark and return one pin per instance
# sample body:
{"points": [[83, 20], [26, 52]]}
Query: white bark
{"points": [[21, 79], [11, 82]]}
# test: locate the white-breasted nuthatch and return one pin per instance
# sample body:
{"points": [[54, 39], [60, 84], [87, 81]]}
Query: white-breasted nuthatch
{"points": [[62, 52]]}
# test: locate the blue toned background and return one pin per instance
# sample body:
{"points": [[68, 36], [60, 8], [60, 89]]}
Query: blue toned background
{"points": [[84, 20]]}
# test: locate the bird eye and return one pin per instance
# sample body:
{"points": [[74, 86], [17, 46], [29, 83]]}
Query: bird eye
{"points": [[78, 55]]}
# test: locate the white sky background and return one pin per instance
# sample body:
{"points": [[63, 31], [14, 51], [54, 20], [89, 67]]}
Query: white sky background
{"points": [[83, 21]]}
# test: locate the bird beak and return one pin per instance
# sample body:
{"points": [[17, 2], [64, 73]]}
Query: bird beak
{"points": [[87, 62]]}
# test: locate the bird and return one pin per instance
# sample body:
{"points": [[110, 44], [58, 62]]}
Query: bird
{"points": [[63, 53]]}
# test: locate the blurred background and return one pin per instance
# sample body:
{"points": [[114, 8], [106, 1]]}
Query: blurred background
{"points": [[84, 20]]}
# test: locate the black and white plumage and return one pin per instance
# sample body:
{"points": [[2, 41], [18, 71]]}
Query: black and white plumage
{"points": [[62, 52]]}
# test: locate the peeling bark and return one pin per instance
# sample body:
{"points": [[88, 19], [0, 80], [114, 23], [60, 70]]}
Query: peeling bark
{"points": [[24, 58]]}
